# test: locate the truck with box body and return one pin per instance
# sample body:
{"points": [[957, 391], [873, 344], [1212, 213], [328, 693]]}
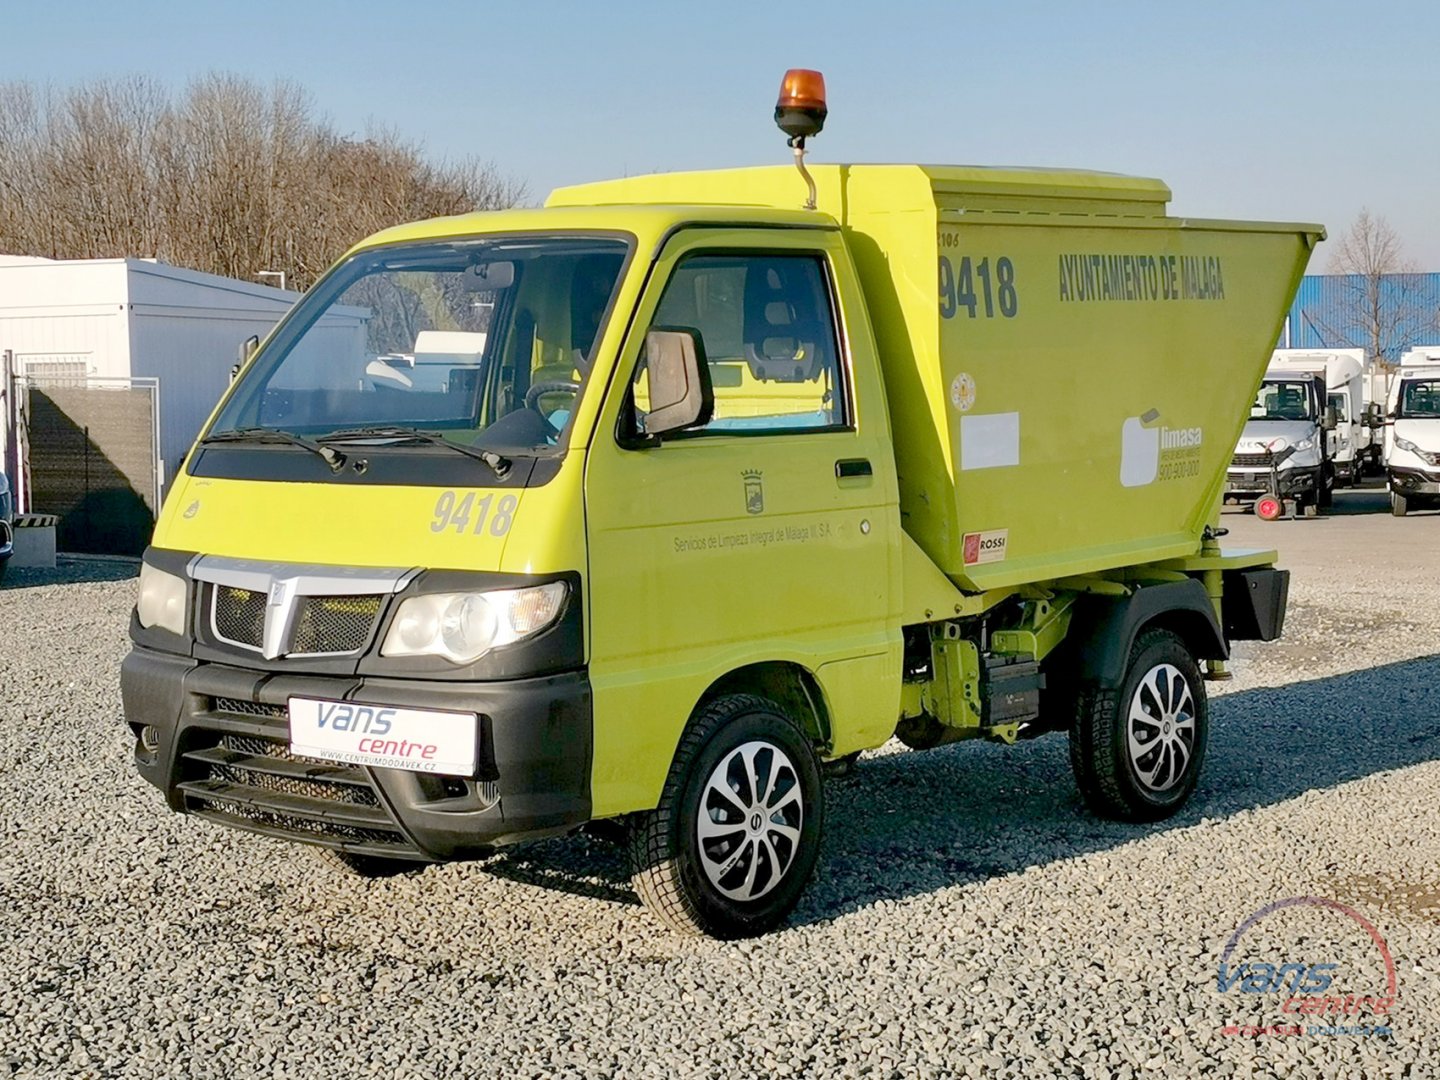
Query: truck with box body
{"points": [[731, 492], [1304, 432], [1412, 432]]}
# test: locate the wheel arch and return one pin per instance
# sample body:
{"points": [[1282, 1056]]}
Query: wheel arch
{"points": [[792, 687], [1105, 627]]}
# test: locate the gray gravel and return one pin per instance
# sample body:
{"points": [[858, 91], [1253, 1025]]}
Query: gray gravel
{"points": [[968, 919]]}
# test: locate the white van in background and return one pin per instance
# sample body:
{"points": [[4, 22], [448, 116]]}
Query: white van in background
{"points": [[1286, 449], [1344, 372], [1412, 434]]}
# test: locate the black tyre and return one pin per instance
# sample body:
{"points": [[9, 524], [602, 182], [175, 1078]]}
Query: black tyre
{"points": [[1399, 505], [1137, 749], [735, 837], [1325, 497]]}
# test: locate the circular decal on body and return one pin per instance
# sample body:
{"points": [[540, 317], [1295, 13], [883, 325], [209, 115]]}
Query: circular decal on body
{"points": [[962, 392]]}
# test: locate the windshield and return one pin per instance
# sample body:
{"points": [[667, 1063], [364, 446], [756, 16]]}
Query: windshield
{"points": [[1420, 399], [488, 341], [1283, 401]]}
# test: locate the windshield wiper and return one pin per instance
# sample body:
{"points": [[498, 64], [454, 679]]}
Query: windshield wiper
{"points": [[499, 464], [334, 458]]}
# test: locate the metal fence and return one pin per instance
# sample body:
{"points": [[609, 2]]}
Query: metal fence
{"points": [[87, 450]]}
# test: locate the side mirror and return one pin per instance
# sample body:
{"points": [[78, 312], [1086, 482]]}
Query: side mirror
{"points": [[680, 392], [1331, 420], [243, 354]]}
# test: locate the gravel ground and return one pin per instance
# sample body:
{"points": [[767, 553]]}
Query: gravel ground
{"points": [[968, 918]]}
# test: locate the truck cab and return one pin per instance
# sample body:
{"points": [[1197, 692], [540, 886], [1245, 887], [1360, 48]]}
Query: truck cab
{"points": [[1309, 428], [1284, 449], [1412, 433]]}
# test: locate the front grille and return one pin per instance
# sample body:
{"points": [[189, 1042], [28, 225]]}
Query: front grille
{"points": [[333, 624], [238, 615], [1251, 461], [254, 782], [239, 707], [319, 626]]}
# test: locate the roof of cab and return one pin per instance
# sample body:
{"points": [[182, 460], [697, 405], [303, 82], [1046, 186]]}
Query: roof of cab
{"points": [[767, 195], [771, 185], [641, 220]]}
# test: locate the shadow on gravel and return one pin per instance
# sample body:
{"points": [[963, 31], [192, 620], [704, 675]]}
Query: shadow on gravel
{"points": [[908, 824], [71, 571]]}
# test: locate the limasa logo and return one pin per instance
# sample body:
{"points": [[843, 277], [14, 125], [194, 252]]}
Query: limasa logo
{"points": [[1351, 991]]}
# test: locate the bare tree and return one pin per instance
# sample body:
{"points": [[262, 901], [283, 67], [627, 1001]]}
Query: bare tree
{"points": [[1383, 306], [228, 177]]}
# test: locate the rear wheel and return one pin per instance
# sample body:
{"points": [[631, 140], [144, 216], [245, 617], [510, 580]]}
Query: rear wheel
{"points": [[735, 837], [1137, 749], [1399, 505]]}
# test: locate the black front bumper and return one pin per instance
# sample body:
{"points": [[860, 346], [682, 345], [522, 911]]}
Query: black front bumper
{"points": [[1414, 483], [1254, 482], [215, 739]]}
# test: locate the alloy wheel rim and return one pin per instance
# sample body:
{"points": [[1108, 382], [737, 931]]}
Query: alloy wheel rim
{"points": [[1160, 728], [751, 813]]}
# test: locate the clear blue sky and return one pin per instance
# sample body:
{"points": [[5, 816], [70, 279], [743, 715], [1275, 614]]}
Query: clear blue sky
{"points": [[1285, 110]]}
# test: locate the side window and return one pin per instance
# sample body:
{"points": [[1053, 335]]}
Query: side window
{"points": [[769, 335]]}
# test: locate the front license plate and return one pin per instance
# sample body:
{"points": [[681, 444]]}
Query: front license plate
{"points": [[383, 736]]}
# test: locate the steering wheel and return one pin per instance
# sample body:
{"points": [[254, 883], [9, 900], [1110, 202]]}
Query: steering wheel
{"points": [[533, 395]]}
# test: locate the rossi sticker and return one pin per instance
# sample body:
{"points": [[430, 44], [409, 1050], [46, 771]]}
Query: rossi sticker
{"points": [[984, 547]]}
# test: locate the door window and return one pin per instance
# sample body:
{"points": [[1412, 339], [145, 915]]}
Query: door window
{"points": [[768, 329]]}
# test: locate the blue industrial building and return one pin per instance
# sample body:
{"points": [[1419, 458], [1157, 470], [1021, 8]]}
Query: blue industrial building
{"points": [[1334, 311]]}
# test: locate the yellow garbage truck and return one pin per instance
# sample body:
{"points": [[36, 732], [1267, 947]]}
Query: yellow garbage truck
{"points": [[652, 508]]}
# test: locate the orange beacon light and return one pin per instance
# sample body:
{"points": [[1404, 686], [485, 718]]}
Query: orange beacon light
{"points": [[800, 110]]}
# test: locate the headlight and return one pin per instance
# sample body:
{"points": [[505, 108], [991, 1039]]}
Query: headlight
{"points": [[462, 627], [162, 600], [1406, 444], [1304, 444]]}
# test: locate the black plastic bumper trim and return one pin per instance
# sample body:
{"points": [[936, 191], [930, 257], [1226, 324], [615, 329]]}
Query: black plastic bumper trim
{"points": [[533, 781]]}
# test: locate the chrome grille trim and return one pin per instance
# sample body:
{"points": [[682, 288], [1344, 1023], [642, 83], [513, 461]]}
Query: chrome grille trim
{"points": [[291, 592]]}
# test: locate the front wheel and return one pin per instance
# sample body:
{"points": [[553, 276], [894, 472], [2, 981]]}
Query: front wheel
{"points": [[1137, 749], [1399, 505], [735, 837]]}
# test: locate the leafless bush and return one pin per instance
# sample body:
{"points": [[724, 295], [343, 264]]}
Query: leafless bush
{"points": [[229, 177], [1384, 300]]}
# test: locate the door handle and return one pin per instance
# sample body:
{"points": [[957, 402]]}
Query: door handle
{"points": [[848, 467]]}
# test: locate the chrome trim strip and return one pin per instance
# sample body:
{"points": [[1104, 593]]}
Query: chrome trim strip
{"points": [[284, 583]]}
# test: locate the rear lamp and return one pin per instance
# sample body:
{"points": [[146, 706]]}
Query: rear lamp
{"points": [[800, 110]]}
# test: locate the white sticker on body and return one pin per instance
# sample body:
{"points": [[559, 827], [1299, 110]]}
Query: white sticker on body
{"points": [[1139, 450], [989, 440]]}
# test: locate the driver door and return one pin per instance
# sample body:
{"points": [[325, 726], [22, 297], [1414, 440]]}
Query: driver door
{"points": [[766, 534]]}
